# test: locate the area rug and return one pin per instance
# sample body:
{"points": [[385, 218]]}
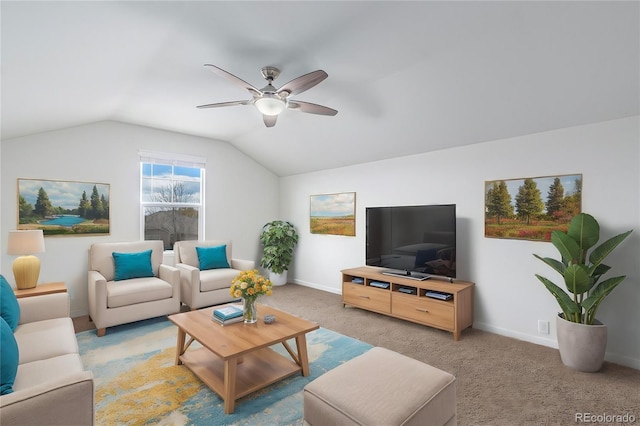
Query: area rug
{"points": [[138, 383]]}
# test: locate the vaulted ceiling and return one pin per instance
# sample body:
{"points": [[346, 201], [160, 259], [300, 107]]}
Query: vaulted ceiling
{"points": [[406, 77]]}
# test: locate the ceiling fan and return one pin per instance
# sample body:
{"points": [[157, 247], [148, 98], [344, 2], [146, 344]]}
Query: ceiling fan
{"points": [[271, 101]]}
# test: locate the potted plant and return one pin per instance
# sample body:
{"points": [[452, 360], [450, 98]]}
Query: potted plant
{"points": [[279, 239], [582, 339]]}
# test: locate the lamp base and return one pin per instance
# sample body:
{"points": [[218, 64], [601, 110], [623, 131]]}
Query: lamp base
{"points": [[26, 270]]}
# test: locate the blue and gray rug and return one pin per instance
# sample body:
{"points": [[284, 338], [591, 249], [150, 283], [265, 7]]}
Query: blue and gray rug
{"points": [[138, 383]]}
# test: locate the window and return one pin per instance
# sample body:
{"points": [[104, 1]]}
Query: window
{"points": [[171, 198]]}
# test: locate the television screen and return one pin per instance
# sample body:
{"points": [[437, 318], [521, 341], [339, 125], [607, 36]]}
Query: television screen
{"points": [[412, 240]]}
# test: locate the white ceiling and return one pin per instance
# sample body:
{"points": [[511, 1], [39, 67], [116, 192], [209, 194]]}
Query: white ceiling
{"points": [[406, 77]]}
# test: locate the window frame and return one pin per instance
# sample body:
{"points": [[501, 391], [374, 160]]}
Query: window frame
{"points": [[172, 160]]}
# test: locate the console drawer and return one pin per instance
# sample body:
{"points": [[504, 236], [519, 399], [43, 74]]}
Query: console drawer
{"points": [[421, 309], [374, 299]]}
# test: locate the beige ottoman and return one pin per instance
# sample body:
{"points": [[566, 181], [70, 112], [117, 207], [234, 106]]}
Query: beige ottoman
{"points": [[381, 387]]}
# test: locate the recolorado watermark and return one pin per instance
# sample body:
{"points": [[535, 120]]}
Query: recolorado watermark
{"points": [[626, 418]]}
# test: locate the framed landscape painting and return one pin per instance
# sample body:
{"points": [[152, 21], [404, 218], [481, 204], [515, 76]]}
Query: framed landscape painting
{"points": [[531, 208], [333, 214], [63, 208]]}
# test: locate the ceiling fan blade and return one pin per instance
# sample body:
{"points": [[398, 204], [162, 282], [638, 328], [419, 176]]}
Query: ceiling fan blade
{"points": [[269, 120], [225, 104], [232, 78], [302, 83], [311, 108]]}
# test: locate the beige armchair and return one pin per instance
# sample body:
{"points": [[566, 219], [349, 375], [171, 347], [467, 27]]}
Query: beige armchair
{"points": [[119, 294], [200, 288]]}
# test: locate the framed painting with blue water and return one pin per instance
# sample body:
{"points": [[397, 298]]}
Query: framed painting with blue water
{"points": [[63, 208]]}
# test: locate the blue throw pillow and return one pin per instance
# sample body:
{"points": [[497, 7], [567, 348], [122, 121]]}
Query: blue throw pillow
{"points": [[9, 358], [132, 265], [214, 257], [9, 308]]}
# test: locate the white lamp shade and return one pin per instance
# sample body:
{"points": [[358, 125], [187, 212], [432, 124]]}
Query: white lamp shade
{"points": [[270, 104], [25, 242]]}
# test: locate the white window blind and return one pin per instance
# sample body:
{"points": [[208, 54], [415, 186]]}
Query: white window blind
{"points": [[172, 159]]}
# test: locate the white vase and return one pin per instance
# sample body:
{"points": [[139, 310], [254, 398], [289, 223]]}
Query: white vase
{"points": [[278, 279], [582, 347]]}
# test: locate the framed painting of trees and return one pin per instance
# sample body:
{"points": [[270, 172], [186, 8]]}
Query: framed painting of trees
{"points": [[531, 208], [63, 207]]}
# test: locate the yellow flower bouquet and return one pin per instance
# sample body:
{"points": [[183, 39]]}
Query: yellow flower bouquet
{"points": [[249, 285]]}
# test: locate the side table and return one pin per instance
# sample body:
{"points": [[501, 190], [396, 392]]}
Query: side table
{"points": [[41, 289]]}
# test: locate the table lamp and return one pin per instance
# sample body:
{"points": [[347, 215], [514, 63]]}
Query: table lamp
{"points": [[26, 268]]}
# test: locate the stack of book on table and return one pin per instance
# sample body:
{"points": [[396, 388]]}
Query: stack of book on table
{"points": [[228, 314]]}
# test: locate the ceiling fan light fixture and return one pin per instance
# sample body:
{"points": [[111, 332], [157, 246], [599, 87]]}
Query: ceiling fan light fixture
{"points": [[271, 101], [270, 104]]}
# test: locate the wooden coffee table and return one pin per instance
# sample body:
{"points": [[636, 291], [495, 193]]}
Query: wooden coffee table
{"points": [[235, 359]]}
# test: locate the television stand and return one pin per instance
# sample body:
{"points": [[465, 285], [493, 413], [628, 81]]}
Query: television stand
{"points": [[436, 302], [418, 276]]}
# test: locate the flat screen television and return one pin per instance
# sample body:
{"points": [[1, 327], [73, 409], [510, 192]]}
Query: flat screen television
{"points": [[412, 241]]}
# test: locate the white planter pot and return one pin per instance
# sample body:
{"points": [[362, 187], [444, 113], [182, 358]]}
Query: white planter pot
{"points": [[581, 346], [278, 279]]}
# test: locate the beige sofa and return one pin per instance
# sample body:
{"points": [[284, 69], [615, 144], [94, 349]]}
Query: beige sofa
{"points": [[209, 287], [119, 302], [51, 386]]}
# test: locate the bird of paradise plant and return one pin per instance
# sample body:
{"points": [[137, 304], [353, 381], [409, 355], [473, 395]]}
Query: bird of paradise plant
{"points": [[581, 271]]}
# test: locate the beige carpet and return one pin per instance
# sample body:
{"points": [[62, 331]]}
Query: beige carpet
{"points": [[500, 381]]}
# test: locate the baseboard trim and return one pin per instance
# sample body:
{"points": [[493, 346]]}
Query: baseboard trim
{"points": [[544, 341], [553, 343], [318, 287]]}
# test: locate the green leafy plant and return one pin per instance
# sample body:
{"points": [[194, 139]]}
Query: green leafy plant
{"points": [[581, 271], [279, 239]]}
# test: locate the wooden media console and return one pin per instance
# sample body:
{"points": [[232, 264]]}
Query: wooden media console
{"points": [[368, 288]]}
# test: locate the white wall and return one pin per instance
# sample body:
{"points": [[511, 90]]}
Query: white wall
{"points": [[240, 196], [509, 300]]}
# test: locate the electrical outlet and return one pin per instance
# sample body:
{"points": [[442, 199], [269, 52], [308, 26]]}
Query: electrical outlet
{"points": [[543, 327]]}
